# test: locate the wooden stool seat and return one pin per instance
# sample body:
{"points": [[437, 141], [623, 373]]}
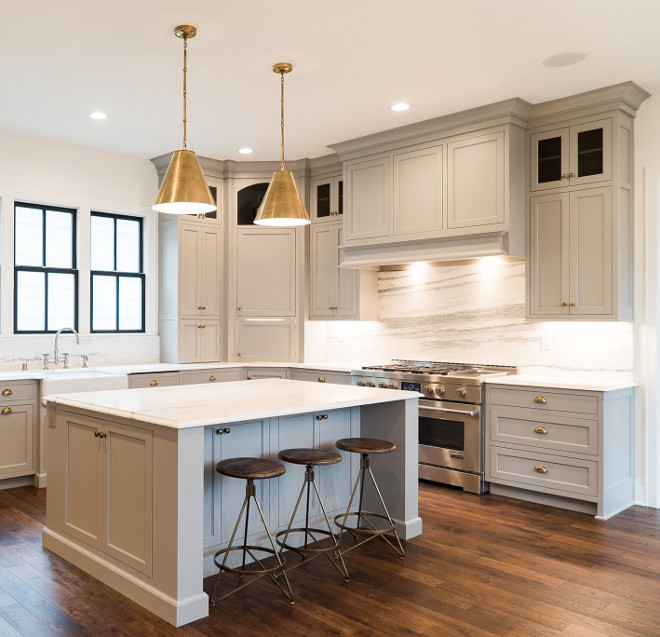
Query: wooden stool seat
{"points": [[365, 445], [250, 468], [315, 457]]}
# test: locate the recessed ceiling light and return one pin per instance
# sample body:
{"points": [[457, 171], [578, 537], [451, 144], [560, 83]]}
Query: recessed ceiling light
{"points": [[98, 115], [564, 59], [245, 151], [400, 106]]}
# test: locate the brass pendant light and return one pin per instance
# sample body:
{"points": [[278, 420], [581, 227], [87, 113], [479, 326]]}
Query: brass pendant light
{"points": [[282, 205], [184, 190]]}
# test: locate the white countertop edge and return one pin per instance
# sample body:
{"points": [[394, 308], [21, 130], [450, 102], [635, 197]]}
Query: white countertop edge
{"points": [[596, 384], [259, 399]]}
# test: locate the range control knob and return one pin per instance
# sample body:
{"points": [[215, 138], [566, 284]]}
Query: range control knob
{"points": [[462, 392], [371, 383], [362, 383], [392, 386], [382, 384], [440, 391], [429, 391]]}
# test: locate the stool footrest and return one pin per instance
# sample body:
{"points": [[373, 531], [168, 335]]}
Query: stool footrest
{"points": [[308, 549], [249, 572], [342, 518]]}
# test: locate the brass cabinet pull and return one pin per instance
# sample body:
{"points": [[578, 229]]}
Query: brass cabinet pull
{"points": [[154, 382], [571, 304], [220, 432], [321, 379], [540, 430], [212, 377], [571, 174], [238, 353], [564, 175], [564, 304], [322, 417], [7, 392], [100, 434], [5, 411], [201, 307], [539, 468], [541, 400]]}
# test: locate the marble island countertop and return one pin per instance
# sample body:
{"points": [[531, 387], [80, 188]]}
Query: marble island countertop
{"points": [[186, 406]]}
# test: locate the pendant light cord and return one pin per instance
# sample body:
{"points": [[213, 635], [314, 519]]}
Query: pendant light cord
{"points": [[282, 114], [185, 92]]}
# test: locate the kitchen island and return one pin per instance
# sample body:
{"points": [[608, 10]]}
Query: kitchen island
{"points": [[133, 497]]}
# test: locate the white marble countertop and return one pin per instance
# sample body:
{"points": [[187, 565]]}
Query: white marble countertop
{"points": [[186, 406], [595, 383]]}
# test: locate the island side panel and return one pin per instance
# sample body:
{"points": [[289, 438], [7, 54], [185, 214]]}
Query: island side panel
{"points": [[396, 473]]}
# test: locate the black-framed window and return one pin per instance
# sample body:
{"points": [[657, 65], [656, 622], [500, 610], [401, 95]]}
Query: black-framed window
{"points": [[117, 273], [45, 274]]}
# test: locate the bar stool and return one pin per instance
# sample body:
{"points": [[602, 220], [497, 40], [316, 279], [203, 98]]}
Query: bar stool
{"points": [[251, 469], [366, 446], [311, 547]]}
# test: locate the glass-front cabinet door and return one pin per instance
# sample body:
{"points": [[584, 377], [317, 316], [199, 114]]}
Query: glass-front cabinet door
{"points": [[571, 156], [327, 199]]}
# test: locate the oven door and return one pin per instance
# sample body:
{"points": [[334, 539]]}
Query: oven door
{"points": [[450, 435]]}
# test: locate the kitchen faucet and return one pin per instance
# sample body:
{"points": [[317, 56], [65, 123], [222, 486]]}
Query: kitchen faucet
{"points": [[64, 329]]}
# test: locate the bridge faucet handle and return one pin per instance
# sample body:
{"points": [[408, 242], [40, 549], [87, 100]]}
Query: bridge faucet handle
{"points": [[84, 359], [65, 358], [46, 361]]}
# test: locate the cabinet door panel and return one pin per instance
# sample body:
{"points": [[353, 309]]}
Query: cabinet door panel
{"points": [[591, 252], [324, 271], [17, 441], [264, 340], [189, 266], [266, 272], [210, 341], [129, 495], [549, 255], [549, 159], [189, 346], [418, 191], [591, 152], [475, 182], [83, 514], [368, 199], [348, 290], [210, 274], [336, 481]]}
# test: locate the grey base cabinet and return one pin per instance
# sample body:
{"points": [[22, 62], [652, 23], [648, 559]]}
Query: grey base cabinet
{"points": [[572, 448]]}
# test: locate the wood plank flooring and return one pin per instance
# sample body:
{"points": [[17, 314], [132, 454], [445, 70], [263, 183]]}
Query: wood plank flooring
{"points": [[484, 566]]}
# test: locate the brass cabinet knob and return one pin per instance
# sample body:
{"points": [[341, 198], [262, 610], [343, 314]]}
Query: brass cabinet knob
{"points": [[571, 174], [201, 327], [541, 400], [238, 308], [220, 432], [539, 468], [321, 379], [97, 434], [154, 382], [212, 377], [7, 392], [5, 411], [322, 417], [540, 430], [201, 307], [564, 304], [103, 434], [572, 304], [238, 353], [564, 175]]}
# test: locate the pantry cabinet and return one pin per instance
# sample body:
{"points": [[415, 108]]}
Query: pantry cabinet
{"points": [[580, 206], [568, 447], [335, 292]]}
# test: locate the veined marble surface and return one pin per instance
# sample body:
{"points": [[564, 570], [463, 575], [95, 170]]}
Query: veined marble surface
{"points": [[186, 406], [474, 312]]}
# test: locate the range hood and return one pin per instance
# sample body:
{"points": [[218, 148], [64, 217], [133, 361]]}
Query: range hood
{"points": [[403, 253]]}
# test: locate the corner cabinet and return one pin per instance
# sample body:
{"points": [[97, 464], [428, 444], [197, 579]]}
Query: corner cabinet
{"points": [[191, 290], [580, 206], [338, 293], [572, 448]]}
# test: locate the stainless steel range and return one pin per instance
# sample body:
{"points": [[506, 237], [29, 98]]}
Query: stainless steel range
{"points": [[451, 426]]}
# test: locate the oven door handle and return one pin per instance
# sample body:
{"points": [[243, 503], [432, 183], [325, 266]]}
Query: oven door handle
{"points": [[444, 410]]}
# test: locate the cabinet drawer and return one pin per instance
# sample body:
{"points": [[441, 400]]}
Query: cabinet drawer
{"points": [[160, 379], [319, 376], [572, 476], [13, 391], [550, 431], [202, 376], [546, 399]]}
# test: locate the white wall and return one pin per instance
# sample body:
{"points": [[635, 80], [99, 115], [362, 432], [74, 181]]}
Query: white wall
{"points": [[44, 171]]}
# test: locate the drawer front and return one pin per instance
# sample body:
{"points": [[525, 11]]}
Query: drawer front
{"points": [[202, 376], [547, 431], [319, 376], [545, 399], [17, 391], [544, 472], [161, 379]]}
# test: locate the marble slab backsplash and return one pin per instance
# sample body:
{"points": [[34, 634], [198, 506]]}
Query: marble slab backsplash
{"points": [[101, 349], [475, 312]]}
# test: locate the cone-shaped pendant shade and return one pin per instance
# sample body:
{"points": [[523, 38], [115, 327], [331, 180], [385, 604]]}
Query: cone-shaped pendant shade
{"points": [[282, 205], [184, 190]]}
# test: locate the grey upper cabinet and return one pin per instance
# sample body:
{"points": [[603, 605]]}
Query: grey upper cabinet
{"points": [[580, 207]]}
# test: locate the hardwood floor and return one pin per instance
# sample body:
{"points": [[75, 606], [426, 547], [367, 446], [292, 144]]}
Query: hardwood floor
{"points": [[484, 566]]}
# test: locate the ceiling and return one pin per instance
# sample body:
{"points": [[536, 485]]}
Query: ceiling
{"points": [[352, 60]]}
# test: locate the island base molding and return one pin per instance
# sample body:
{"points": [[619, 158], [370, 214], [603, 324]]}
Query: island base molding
{"points": [[176, 612]]}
